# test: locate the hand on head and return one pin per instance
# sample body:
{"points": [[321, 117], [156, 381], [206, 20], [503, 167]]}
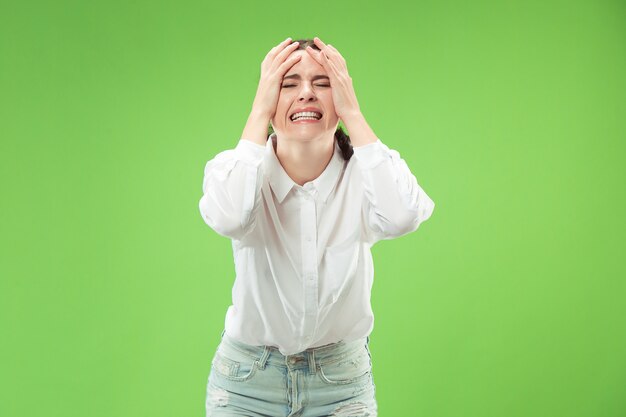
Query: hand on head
{"points": [[344, 96], [281, 58], [276, 63]]}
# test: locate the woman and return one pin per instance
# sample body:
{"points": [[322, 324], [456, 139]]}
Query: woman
{"points": [[303, 207]]}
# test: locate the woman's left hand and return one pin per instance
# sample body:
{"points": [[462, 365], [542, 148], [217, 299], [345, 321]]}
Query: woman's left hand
{"points": [[344, 97]]}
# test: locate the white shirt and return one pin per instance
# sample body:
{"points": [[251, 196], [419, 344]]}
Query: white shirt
{"points": [[303, 262]]}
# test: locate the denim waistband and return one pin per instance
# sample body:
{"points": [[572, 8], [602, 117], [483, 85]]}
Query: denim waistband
{"points": [[306, 359]]}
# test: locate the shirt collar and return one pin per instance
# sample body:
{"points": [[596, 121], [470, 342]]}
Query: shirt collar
{"points": [[281, 183]]}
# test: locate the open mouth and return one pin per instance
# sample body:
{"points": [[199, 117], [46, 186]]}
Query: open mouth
{"points": [[306, 115]]}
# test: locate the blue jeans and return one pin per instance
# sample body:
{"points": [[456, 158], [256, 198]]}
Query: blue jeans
{"points": [[331, 380]]}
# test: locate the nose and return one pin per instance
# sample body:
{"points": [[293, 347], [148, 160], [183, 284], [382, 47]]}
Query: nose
{"points": [[306, 93]]}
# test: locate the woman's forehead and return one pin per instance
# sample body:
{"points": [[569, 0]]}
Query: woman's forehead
{"points": [[307, 67]]}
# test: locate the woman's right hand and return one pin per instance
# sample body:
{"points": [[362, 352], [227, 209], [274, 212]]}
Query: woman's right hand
{"points": [[275, 65]]}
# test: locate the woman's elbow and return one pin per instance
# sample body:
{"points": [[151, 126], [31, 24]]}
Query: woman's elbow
{"points": [[425, 210], [410, 220], [221, 221]]}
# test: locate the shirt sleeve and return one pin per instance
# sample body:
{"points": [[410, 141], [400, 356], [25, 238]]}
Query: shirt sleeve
{"points": [[232, 190], [394, 203]]}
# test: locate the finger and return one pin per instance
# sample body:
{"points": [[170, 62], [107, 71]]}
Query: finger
{"points": [[323, 60], [315, 55], [284, 43], [331, 70], [335, 69], [333, 52], [285, 67], [278, 48], [330, 64], [282, 55], [289, 62], [288, 49], [322, 46], [319, 42]]}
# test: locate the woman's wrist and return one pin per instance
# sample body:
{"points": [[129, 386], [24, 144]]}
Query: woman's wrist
{"points": [[359, 131], [256, 127]]}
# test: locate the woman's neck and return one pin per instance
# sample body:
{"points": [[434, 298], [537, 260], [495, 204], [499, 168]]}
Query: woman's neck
{"points": [[304, 161]]}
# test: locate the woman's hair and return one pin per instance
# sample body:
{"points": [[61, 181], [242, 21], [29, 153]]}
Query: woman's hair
{"points": [[343, 140]]}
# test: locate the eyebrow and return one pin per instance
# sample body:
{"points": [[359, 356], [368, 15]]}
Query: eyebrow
{"points": [[297, 77]]}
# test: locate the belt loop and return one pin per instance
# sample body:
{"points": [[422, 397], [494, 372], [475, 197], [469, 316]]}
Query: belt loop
{"points": [[264, 356], [312, 362]]}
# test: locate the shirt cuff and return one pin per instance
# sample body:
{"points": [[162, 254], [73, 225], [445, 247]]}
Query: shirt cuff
{"points": [[249, 151], [372, 154]]}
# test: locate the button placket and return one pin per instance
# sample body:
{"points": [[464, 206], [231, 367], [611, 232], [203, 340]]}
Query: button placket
{"points": [[308, 223]]}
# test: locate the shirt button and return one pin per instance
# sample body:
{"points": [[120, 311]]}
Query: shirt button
{"points": [[308, 238]]}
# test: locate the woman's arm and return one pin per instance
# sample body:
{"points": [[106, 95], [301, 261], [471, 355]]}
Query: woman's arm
{"points": [[232, 190], [273, 68], [394, 203], [232, 180]]}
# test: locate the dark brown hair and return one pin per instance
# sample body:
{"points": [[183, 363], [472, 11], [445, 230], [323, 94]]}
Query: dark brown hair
{"points": [[342, 138]]}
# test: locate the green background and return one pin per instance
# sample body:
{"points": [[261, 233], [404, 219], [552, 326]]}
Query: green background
{"points": [[509, 301]]}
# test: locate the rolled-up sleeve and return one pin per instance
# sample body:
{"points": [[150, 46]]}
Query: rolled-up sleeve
{"points": [[393, 203], [232, 189]]}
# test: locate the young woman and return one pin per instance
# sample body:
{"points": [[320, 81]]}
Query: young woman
{"points": [[303, 207]]}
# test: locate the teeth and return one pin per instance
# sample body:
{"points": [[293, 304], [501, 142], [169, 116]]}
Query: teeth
{"points": [[306, 115]]}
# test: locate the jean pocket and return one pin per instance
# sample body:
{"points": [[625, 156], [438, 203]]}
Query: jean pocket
{"points": [[353, 368], [235, 369]]}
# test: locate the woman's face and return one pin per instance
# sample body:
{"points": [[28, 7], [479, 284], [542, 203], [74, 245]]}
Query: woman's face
{"points": [[305, 87]]}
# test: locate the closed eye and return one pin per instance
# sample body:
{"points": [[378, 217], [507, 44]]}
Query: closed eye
{"points": [[316, 85]]}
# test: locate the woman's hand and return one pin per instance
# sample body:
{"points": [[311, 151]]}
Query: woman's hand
{"points": [[275, 65], [344, 97]]}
